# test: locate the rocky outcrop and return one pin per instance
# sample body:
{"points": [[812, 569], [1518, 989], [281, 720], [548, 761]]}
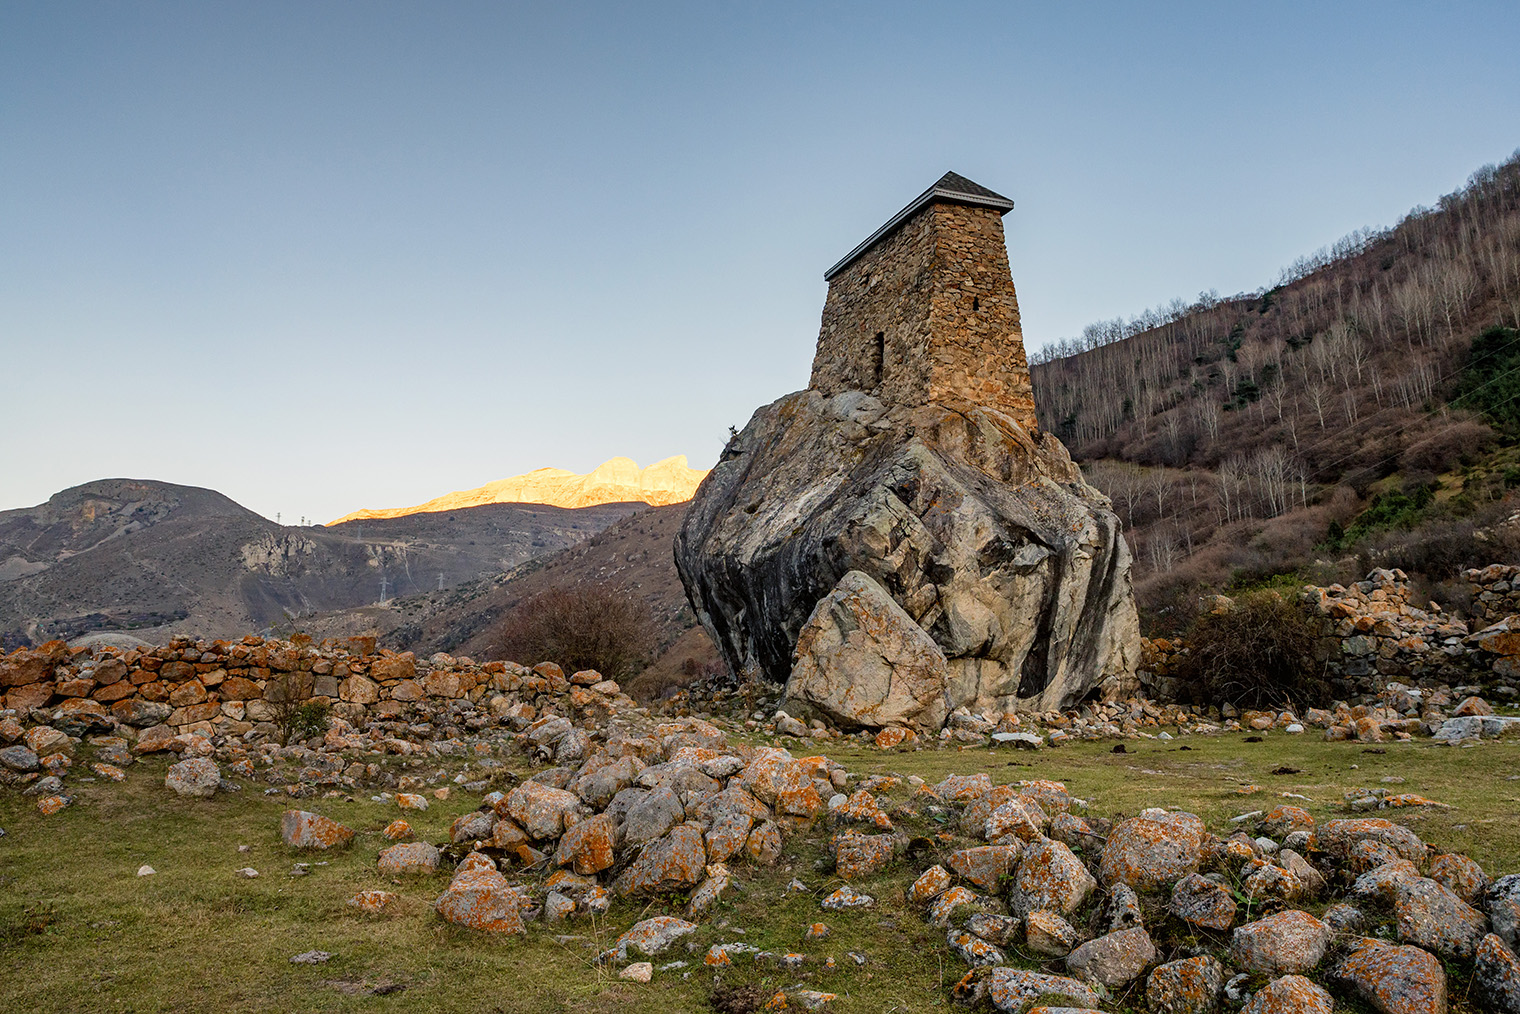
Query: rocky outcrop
{"points": [[983, 533]]}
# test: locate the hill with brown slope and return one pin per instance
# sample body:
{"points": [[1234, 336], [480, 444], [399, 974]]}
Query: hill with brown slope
{"points": [[162, 559], [633, 554], [617, 480], [1235, 435]]}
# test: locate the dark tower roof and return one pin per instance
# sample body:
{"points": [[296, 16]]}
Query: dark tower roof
{"points": [[952, 188]]}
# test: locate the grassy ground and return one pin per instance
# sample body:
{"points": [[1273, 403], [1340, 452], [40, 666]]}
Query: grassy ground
{"points": [[79, 931]]}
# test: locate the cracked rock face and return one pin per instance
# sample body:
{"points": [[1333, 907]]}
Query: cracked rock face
{"points": [[984, 535]]}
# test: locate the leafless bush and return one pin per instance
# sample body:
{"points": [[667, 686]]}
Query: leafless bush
{"points": [[1258, 654], [296, 715], [1457, 442], [595, 626]]}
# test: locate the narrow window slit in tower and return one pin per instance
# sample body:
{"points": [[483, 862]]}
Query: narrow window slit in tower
{"points": [[976, 303], [878, 357]]}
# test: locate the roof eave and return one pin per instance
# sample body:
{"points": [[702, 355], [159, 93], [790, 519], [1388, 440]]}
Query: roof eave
{"points": [[1001, 204]]}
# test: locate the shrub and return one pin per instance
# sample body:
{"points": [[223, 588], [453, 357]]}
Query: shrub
{"points": [[1260, 653], [296, 715], [596, 626]]}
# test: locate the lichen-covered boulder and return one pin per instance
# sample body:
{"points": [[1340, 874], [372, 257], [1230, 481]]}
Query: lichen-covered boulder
{"points": [[1203, 902], [1049, 877], [1460, 875], [303, 830], [1496, 977], [1114, 958], [985, 866], [1288, 942], [1394, 979], [1432, 917], [480, 898], [1012, 990], [541, 810], [1339, 837], [1152, 851], [1188, 986], [862, 855], [588, 847], [930, 884], [984, 534], [197, 777], [1047, 933], [673, 863], [1290, 994], [411, 858], [972, 949]]}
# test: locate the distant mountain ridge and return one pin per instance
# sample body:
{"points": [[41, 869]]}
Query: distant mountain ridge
{"points": [[616, 480], [161, 559]]}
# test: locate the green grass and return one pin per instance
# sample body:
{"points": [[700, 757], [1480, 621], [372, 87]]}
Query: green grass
{"points": [[195, 937]]}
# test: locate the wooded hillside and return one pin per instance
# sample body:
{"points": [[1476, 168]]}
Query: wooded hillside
{"points": [[1370, 393]]}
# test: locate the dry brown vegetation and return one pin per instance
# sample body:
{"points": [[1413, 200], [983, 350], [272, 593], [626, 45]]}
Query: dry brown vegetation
{"points": [[1207, 421]]}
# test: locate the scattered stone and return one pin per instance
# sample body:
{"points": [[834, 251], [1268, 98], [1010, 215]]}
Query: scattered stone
{"points": [[649, 937], [410, 858], [198, 777], [304, 830], [639, 971], [372, 902], [847, 898]]}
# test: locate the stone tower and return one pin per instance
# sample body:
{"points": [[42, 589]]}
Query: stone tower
{"points": [[924, 310]]}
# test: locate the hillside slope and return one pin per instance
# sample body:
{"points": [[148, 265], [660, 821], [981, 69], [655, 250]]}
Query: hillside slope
{"points": [[633, 554], [161, 559], [1369, 390]]}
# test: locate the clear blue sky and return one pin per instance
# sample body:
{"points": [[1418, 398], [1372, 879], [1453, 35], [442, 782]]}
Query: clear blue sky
{"points": [[322, 256]]}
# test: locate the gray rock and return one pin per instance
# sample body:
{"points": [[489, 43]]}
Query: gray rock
{"points": [[986, 536], [1504, 908], [1431, 916], [1114, 959], [1203, 902], [652, 816], [1496, 977], [19, 758], [198, 777], [863, 661], [311, 958]]}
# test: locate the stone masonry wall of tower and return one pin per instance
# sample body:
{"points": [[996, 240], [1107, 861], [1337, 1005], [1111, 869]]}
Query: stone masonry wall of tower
{"points": [[929, 314]]}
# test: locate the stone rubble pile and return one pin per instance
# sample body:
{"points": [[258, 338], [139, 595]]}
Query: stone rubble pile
{"points": [[1157, 906]]}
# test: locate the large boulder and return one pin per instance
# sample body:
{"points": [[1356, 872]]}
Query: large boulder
{"points": [[982, 532], [862, 660]]}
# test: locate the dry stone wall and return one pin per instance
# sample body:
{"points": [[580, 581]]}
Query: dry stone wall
{"points": [[232, 688], [1373, 634]]}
